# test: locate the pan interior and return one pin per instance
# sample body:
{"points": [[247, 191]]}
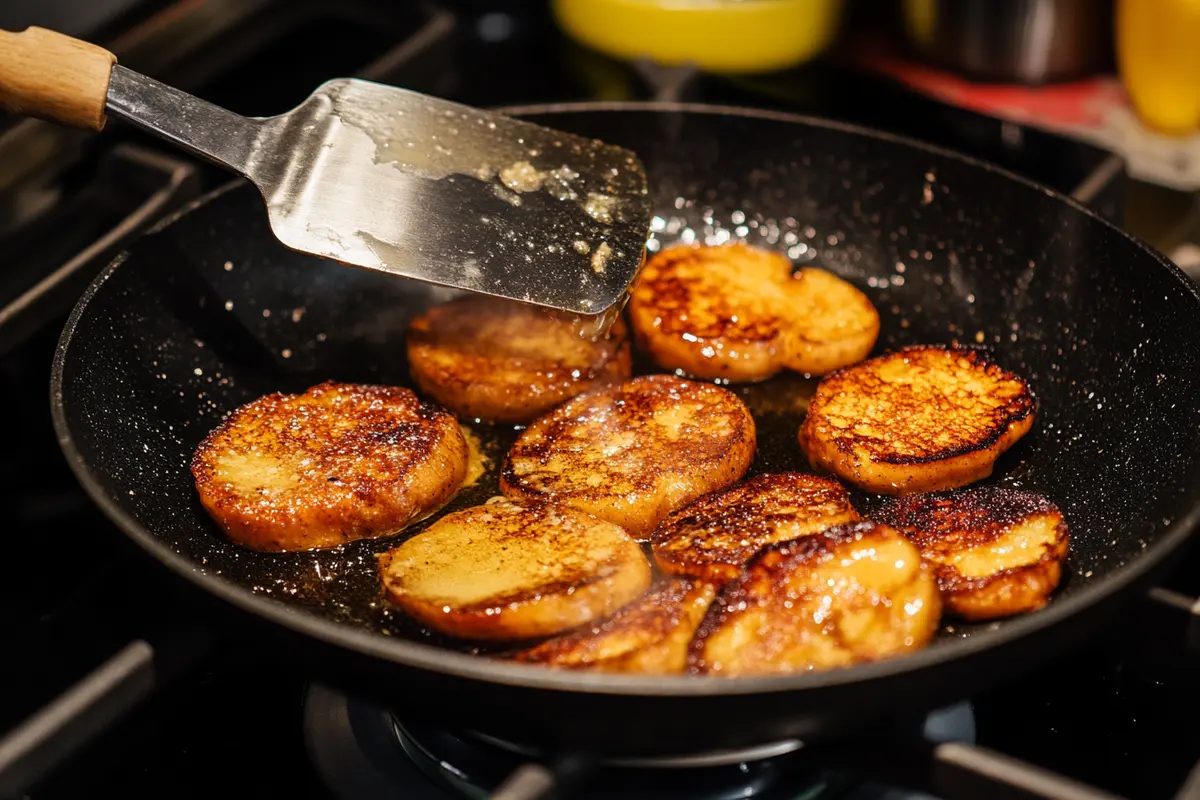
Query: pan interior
{"points": [[211, 311]]}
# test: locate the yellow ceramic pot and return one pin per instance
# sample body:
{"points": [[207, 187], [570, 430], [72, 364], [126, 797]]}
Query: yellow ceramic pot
{"points": [[721, 36]]}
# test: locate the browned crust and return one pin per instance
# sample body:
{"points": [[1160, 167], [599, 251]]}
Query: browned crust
{"points": [[741, 313], [551, 569], [713, 537], [946, 525], [849, 594], [501, 361], [336, 463], [650, 635], [922, 418], [673, 284], [634, 452], [1011, 592]]}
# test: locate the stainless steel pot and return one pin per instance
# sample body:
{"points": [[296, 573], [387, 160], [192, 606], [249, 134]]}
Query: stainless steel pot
{"points": [[1014, 41]]}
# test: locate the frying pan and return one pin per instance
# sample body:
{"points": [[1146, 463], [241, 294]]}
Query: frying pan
{"points": [[208, 311]]}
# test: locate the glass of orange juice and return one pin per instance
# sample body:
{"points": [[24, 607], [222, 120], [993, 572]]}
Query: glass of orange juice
{"points": [[1158, 56]]}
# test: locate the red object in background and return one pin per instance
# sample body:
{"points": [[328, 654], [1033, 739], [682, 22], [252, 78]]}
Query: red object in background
{"points": [[1082, 103], [1096, 110]]}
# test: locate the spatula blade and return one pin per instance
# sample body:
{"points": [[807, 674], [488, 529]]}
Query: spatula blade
{"points": [[393, 180]]}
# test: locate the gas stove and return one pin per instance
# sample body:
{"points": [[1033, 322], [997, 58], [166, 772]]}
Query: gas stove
{"points": [[1111, 720]]}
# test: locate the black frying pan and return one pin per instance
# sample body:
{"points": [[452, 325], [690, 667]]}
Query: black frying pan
{"points": [[209, 311]]}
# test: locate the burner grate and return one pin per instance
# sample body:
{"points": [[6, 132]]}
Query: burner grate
{"points": [[366, 753]]}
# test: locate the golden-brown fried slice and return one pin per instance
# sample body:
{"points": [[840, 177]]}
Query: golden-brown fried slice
{"points": [[850, 594], [635, 452], [921, 419], [506, 570], [996, 551], [503, 361], [738, 312], [650, 635], [713, 537], [336, 463]]}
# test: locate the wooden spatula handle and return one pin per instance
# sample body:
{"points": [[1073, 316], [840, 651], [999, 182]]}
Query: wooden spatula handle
{"points": [[54, 77]]}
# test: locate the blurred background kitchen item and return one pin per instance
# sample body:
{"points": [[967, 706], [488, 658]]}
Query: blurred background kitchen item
{"points": [[726, 36], [1012, 41], [1160, 62], [1123, 75]]}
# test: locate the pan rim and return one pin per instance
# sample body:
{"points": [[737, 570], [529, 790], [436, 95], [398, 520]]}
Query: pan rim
{"points": [[428, 657]]}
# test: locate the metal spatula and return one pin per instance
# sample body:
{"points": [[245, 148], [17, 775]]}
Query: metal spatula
{"points": [[381, 177]]}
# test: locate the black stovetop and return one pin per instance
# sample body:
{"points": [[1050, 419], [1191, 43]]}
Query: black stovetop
{"points": [[1115, 715]]}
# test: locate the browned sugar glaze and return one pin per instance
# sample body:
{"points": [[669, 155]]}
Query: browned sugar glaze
{"points": [[714, 536], [634, 452], [923, 418], [502, 361], [514, 570], [740, 313], [850, 594], [336, 463], [997, 551]]}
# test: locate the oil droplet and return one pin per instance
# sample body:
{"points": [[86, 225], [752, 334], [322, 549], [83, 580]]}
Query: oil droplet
{"points": [[600, 207], [504, 194], [477, 460], [520, 176], [600, 258], [558, 183]]}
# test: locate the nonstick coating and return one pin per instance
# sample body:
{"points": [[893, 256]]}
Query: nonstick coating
{"points": [[209, 311]]}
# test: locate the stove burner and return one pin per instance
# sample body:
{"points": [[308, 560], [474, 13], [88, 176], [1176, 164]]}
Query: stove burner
{"points": [[363, 752], [714, 758], [471, 763]]}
